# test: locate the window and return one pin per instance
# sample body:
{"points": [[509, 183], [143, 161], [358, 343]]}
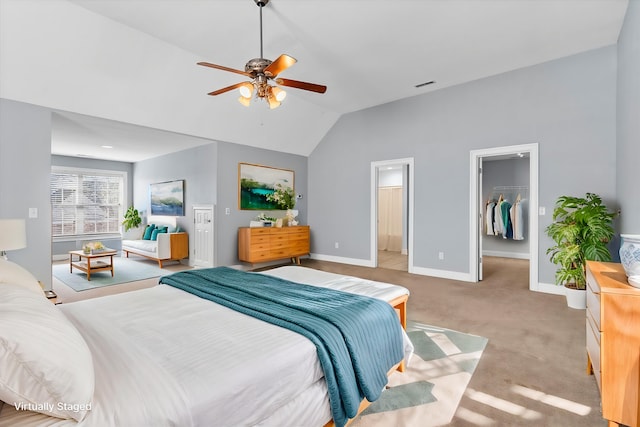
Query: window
{"points": [[86, 202]]}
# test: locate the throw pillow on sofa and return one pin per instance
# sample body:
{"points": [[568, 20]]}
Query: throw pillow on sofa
{"points": [[154, 233], [148, 231]]}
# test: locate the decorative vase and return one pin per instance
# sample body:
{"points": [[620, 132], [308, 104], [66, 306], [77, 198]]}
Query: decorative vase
{"points": [[630, 257], [576, 298], [291, 217]]}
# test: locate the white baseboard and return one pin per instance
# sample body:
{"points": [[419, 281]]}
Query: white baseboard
{"points": [[343, 260], [547, 288], [505, 254], [443, 274], [550, 288]]}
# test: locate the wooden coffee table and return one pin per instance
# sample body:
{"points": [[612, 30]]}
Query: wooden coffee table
{"points": [[91, 264]]}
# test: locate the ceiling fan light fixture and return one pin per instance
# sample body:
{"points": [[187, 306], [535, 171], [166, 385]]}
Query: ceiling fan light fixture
{"points": [[273, 102], [244, 101], [246, 90], [278, 94], [260, 71]]}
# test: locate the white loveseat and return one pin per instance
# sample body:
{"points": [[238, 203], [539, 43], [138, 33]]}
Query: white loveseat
{"points": [[167, 247]]}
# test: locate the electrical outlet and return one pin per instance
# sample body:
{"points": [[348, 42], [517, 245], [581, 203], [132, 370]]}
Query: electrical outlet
{"points": [[542, 211], [227, 211], [337, 245], [441, 256]]}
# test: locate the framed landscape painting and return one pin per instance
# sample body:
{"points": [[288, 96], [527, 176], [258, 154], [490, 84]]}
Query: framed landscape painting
{"points": [[264, 188], [167, 198]]}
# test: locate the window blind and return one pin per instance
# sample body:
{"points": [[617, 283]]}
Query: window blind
{"points": [[86, 203]]}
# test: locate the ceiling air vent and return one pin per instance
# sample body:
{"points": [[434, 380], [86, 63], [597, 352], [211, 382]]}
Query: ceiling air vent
{"points": [[425, 84]]}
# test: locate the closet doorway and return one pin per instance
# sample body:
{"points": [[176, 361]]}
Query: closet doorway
{"points": [[504, 173], [392, 214]]}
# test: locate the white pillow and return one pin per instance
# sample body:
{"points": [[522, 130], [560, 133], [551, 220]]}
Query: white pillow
{"points": [[10, 272], [45, 364]]}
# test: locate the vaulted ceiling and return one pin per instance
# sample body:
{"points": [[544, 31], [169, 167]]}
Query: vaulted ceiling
{"points": [[134, 62]]}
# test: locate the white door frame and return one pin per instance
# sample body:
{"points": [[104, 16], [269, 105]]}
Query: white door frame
{"points": [[474, 205], [374, 208]]}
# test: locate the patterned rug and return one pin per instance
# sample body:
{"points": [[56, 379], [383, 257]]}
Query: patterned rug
{"points": [[124, 270], [430, 389]]}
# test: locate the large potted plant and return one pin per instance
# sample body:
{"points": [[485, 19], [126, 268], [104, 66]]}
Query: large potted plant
{"points": [[581, 230]]}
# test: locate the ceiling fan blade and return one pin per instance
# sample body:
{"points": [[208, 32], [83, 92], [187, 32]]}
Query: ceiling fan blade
{"points": [[226, 89], [281, 63], [302, 85], [220, 67]]}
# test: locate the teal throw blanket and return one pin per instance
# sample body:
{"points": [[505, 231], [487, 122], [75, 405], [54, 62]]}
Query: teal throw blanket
{"points": [[358, 339]]}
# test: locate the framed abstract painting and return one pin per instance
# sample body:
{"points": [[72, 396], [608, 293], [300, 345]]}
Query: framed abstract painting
{"points": [[265, 188], [167, 198]]}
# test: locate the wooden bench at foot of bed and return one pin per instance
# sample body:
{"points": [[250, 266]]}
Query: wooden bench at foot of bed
{"points": [[364, 404], [400, 305]]}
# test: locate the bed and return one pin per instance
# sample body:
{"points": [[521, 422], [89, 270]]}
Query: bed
{"points": [[165, 357]]}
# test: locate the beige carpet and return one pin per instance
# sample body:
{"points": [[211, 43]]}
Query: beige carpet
{"points": [[533, 370]]}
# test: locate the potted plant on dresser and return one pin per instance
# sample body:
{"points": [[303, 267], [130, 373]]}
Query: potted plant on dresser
{"points": [[581, 230]]}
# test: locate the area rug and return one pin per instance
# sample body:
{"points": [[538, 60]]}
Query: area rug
{"points": [[429, 391], [124, 270]]}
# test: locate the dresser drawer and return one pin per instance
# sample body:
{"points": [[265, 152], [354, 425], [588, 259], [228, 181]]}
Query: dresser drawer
{"points": [[262, 244], [261, 239], [593, 348], [259, 231], [593, 306], [301, 248], [258, 256]]}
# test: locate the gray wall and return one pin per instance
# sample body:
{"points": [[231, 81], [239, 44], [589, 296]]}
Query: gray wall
{"points": [[229, 155], [25, 156], [197, 166], [211, 178], [567, 106], [62, 248], [628, 112]]}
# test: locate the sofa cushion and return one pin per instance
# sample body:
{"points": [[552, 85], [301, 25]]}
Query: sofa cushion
{"points": [[141, 245]]}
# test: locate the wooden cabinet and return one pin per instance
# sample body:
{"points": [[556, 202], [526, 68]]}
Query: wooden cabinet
{"points": [[613, 341], [261, 244]]}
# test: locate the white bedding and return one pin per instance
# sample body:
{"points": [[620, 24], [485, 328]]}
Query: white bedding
{"points": [[355, 285], [206, 369]]}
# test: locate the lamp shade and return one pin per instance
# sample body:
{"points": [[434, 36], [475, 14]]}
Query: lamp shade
{"points": [[279, 94], [13, 234], [246, 90]]}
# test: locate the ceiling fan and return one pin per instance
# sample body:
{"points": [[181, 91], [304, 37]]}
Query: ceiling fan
{"points": [[261, 71]]}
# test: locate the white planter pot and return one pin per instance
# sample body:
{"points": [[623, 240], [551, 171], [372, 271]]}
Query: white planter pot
{"points": [[576, 298]]}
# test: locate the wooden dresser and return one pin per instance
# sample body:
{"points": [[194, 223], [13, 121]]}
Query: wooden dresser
{"points": [[613, 341], [261, 244]]}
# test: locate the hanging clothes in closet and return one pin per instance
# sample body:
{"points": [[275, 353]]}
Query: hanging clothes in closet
{"points": [[489, 217], [502, 218], [498, 222], [516, 219], [507, 225]]}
